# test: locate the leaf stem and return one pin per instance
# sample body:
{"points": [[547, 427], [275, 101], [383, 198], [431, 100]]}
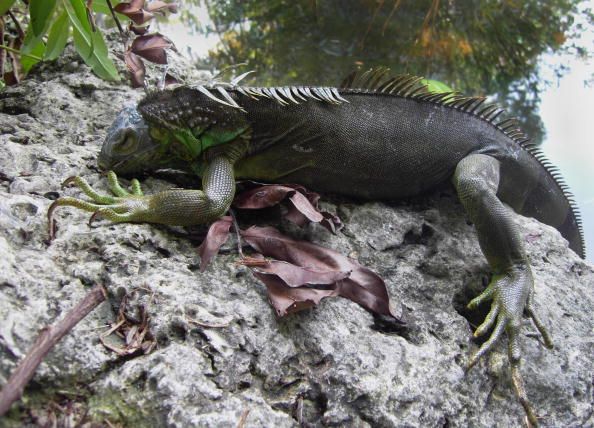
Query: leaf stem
{"points": [[115, 18], [18, 52]]}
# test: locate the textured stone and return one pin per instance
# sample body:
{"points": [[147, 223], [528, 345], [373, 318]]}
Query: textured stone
{"points": [[331, 365]]}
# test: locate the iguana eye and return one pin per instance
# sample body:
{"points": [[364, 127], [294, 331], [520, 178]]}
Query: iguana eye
{"points": [[157, 134], [128, 144]]}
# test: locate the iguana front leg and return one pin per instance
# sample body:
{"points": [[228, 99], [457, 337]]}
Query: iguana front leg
{"points": [[181, 207], [512, 288]]}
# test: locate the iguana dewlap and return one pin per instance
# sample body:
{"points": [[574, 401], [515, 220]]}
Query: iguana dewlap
{"points": [[375, 137]]}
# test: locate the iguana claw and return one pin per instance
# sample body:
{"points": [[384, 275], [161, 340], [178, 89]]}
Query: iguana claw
{"points": [[512, 294], [175, 207], [124, 206]]}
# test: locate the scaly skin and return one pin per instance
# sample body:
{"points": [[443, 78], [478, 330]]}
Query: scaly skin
{"points": [[360, 143]]}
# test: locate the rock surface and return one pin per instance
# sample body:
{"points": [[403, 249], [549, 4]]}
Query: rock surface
{"points": [[221, 355]]}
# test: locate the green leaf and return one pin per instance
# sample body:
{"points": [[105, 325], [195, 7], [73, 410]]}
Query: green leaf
{"points": [[5, 5], [40, 12], [33, 45], [436, 86], [89, 45], [100, 6], [58, 36]]}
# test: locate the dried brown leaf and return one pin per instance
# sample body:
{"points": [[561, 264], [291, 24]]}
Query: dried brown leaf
{"points": [[217, 235], [170, 80], [362, 286], [305, 207], [303, 204], [136, 68], [139, 30], [296, 276], [263, 196], [134, 10], [152, 47], [286, 300]]}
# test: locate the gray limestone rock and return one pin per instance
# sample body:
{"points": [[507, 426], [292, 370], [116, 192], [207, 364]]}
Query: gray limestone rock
{"points": [[221, 354]]}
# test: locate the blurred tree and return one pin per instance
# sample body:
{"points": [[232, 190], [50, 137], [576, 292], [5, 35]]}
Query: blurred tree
{"points": [[479, 47]]}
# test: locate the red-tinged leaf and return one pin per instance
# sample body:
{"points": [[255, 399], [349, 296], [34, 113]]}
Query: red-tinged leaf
{"points": [[136, 68], [286, 300], [138, 30], [261, 197], [131, 6], [170, 80], [161, 6], [331, 222], [295, 216], [297, 276], [304, 206], [217, 235], [134, 11], [363, 286], [152, 47]]}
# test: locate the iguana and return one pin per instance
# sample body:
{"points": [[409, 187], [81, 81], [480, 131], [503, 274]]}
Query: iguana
{"points": [[377, 137]]}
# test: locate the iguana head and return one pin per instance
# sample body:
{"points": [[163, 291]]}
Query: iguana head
{"points": [[170, 129], [128, 147]]}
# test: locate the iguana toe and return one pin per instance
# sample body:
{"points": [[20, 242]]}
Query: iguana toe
{"points": [[512, 294], [124, 206]]}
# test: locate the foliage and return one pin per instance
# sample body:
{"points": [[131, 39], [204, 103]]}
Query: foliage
{"points": [[50, 24], [477, 47]]}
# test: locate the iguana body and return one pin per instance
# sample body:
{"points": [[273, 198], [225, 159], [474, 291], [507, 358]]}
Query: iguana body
{"points": [[387, 140]]}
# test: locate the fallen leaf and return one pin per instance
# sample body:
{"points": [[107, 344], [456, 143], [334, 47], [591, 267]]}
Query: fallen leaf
{"points": [[263, 196], [286, 300], [362, 285], [303, 207], [170, 80], [217, 235], [296, 276]]}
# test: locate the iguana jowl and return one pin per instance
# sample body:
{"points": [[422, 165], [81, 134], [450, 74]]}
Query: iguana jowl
{"points": [[375, 137]]}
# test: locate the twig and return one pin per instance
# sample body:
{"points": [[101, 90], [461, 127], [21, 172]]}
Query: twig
{"points": [[46, 340], [2, 53], [18, 52], [209, 325], [237, 232], [17, 25], [117, 21], [243, 418]]}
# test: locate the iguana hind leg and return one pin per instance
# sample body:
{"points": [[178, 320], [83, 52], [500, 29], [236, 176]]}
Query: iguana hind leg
{"points": [[512, 288], [173, 207]]}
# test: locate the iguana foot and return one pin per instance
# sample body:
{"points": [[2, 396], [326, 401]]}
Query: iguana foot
{"points": [[123, 206], [174, 207], [512, 294]]}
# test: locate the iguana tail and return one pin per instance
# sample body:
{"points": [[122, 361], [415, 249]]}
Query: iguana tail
{"points": [[533, 187]]}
